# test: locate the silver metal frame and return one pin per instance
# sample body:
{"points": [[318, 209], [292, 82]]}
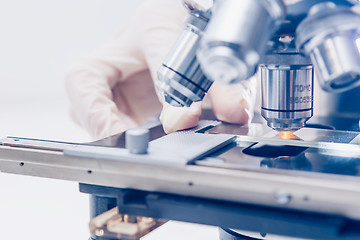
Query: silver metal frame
{"points": [[324, 193]]}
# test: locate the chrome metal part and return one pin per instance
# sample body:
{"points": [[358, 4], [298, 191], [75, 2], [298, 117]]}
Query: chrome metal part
{"points": [[287, 120], [137, 140], [202, 5], [181, 78], [236, 37], [287, 95], [329, 36], [242, 35]]}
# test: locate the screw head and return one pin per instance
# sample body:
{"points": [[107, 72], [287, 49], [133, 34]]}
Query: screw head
{"points": [[282, 198]]}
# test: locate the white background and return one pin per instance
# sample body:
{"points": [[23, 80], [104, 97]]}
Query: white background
{"points": [[39, 40]]}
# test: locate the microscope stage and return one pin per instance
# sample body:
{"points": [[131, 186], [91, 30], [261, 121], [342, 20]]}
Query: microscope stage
{"points": [[316, 170]]}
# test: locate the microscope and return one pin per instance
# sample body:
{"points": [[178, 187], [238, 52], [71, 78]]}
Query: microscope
{"points": [[284, 41], [240, 178]]}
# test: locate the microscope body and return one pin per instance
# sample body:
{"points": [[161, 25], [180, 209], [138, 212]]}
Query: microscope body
{"points": [[284, 40]]}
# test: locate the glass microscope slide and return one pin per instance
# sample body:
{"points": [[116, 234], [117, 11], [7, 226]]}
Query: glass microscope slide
{"points": [[344, 141]]}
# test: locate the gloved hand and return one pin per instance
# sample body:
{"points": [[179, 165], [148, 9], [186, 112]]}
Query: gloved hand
{"points": [[112, 90]]}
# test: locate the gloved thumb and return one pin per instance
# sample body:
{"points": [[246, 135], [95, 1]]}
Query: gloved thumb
{"points": [[234, 103], [177, 118]]}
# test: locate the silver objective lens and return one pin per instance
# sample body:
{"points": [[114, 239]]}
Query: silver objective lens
{"points": [[328, 35], [287, 96], [236, 37], [181, 79]]}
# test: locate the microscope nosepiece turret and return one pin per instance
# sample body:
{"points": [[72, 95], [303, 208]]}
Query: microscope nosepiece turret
{"points": [[286, 40]]}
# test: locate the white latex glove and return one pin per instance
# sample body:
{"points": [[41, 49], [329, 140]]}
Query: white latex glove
{"points": [[112, 90]]}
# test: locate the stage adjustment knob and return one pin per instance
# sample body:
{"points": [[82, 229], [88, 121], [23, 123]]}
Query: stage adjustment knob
{"points": [[137, 140]]}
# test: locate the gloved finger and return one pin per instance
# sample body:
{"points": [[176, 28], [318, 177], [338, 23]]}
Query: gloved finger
{"points": [[176, 118], [91, 80], [234, 103], [92, 106]]}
